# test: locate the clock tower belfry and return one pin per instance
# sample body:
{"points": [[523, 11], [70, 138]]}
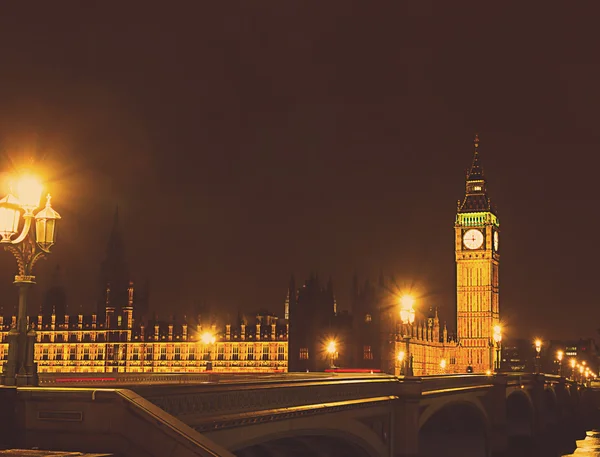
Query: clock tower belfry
{"points": [[476, 244]]}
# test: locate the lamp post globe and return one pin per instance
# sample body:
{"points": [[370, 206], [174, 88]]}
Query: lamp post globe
{"points": [[407, 316], [31, 244]]}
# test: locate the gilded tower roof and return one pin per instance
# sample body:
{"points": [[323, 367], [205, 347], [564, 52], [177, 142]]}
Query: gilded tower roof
{"points": [[476, 198]]}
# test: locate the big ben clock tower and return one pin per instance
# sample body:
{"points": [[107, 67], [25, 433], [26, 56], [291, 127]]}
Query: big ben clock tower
{"points": [[476, 244]]}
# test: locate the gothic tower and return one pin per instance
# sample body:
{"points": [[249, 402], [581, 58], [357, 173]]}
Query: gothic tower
{"points": [[477, 288], [113, 274]]}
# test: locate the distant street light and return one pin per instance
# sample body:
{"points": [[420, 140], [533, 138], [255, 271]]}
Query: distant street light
{"points": [[443, 365], [559, 357], [332, 351], [538, 350], [31, 244], [208, 339], [573, 363], [498, 342], [407, 315]]}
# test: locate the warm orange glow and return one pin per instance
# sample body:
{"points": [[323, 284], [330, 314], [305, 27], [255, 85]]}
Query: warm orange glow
{"points": [[443, 364], [208, 338], [401, 356], [407, 301], [488, 372], [581, 369], [331, 347], [538, 345], [573, 362], [583, 363], [497, 333], [559, 355], [407, 312], [29, 190]]}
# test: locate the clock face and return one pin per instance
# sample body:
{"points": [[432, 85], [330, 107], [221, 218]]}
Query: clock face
{"points": [[473, 239], [496, 241]]}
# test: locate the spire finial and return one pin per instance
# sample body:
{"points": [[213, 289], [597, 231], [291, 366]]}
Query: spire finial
{"points": [[48, 198], [476, 141]]}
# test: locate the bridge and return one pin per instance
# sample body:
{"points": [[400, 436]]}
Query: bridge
{"points": [[318, 414]]}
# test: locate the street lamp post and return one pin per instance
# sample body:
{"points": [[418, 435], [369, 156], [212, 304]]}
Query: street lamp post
{"points": [[538, 350], [573, 363], [400, 359], [559, 357], [332, 351], [208, 339], [30, 245], [498, 342], [407, 315]]}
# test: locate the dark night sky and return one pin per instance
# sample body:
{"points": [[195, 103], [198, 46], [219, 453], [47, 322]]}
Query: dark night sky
{"points": [[243, 143]]}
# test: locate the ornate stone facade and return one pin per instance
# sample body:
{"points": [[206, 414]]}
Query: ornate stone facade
{"points": [[81, 345]]}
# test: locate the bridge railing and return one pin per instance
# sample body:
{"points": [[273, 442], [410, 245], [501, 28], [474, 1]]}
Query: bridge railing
{"points": [[105, 420], [453, 382]]}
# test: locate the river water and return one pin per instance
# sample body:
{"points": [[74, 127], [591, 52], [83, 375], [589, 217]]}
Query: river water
{"points": [[588, 447]]}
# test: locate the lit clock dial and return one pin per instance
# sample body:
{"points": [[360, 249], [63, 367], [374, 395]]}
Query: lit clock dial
{"points": [[473, 239], [496, 241]]}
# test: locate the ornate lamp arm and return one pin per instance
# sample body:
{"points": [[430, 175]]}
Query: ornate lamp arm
{"points": [[27, 254]]}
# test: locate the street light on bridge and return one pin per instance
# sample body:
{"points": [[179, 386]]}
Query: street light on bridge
{"points": [[573, 363], [559, 357], [407, 315], [332, 351], [498, 341], [208, 339], [31, 244], [538, 350]]}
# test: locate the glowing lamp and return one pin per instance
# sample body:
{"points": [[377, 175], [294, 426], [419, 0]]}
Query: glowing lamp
{"points": [[443, 364], [331, 347], [208, 338], [400, 356], [573, 362], [538, 345], [9, 217], [407, 312], [29, 190], [559, 355], [497, 333], [45, 226]]}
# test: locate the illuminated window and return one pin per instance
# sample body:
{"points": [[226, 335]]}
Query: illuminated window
{"points": [[86, 353], [221, 353], [177, 352], [477, 188], [192, 353], [251, 352], [280, 353], [100, 353], [265, 353], [368, 318], [236, 353], [45, 354], [303, 353], [163, 353], [367, 353], [136, 353], [72, 353]]}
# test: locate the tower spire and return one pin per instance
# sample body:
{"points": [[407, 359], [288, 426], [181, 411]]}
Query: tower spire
{"points": [[476, 171], [476, 198]]}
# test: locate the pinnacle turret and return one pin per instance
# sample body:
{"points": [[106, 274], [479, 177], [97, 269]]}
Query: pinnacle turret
{"points": [[476, 198]]}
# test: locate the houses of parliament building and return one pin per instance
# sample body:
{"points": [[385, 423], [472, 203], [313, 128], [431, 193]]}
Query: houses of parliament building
{"points": [[119, 337]]}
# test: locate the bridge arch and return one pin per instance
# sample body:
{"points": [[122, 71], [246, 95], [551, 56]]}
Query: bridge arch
{"points": [[520, 417], [552, 412], [455, 428], [309, 437]]}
